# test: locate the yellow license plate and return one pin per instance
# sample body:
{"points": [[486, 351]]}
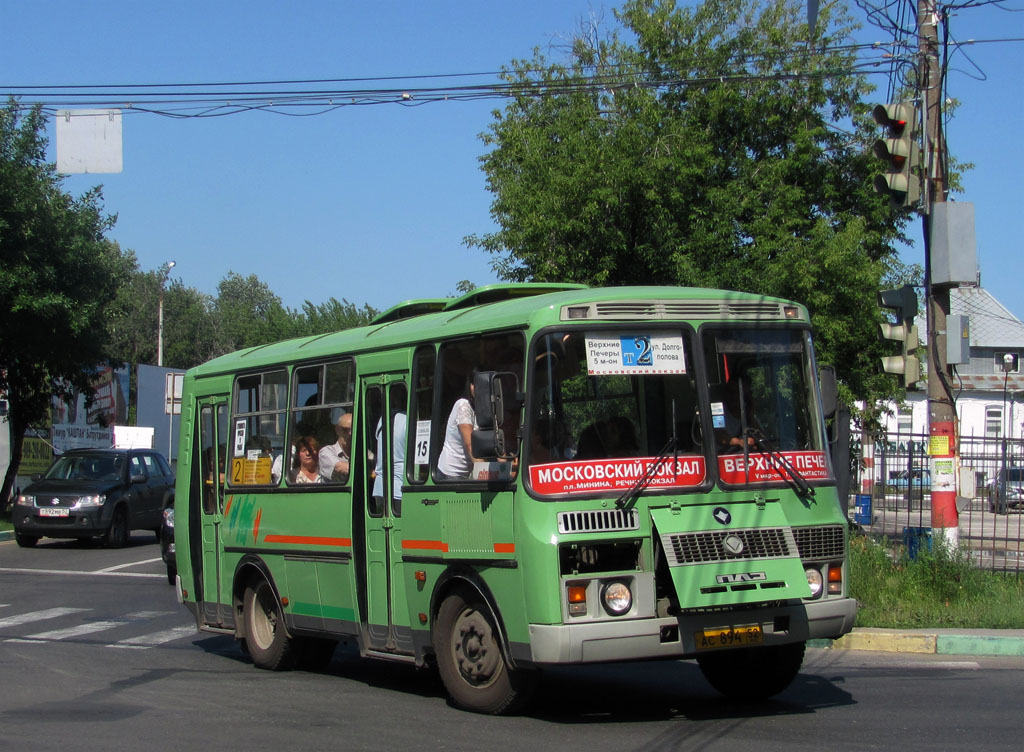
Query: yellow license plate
{"points": [[730, 637]]}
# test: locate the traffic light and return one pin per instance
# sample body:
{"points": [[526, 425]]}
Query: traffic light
{"points": [[900, 152], [903, 302]]}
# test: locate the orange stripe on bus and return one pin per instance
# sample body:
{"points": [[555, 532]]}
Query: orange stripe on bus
{"points": [[504, 548], [311, 540], [425, 545], [256, 526]]}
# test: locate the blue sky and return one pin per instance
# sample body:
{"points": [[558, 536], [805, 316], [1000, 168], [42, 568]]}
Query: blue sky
{"points": [[371, 204]]}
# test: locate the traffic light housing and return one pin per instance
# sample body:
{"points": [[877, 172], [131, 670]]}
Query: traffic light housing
{"points": [[903, 302], [900, 152]]}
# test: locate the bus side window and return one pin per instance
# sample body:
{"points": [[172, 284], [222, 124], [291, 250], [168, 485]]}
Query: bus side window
{"points": [[422, 407]]}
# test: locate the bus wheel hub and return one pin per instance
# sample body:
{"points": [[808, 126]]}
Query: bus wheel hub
{"points": [[475, 651]]}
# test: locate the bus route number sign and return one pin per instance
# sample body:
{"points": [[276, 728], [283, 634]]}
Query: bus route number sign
{"points": [[635, 353]]}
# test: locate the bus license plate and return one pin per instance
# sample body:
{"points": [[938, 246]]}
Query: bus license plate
{"points": [[709, 639], [54, 512]]}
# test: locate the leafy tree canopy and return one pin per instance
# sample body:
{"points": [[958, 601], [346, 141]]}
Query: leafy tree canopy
{"points": [[714, 148], [58, 276]]}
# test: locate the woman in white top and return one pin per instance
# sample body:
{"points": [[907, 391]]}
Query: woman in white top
{"points": [[456, 459], [306, 465]]}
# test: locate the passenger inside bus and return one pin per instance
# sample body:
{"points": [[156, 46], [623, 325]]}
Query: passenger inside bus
{"points": [[456, 458], [306, 464], [334, 458]]}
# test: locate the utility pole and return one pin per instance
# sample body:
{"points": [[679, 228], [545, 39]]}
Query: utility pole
{"points": [[943, 444]]}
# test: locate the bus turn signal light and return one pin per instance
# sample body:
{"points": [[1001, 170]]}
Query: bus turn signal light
{"points": [[835, 579], [577, 595]]}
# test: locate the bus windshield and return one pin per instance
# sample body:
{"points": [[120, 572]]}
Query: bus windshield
{"points": [[763, 403], [609, 409]]}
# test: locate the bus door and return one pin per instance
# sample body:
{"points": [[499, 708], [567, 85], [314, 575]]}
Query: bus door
{"points": [[382, 429], [211, 449]]}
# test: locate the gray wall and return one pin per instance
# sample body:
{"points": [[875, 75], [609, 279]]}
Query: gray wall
{"points": [[150, 410]]}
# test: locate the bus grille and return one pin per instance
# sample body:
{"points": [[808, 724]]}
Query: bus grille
{"points": [[684, 309], [821, 542], [706, 547], [598, 521]]}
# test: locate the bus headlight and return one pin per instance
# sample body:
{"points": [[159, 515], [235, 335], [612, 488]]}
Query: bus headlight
{"points": [[617, 598], [814, 581]]}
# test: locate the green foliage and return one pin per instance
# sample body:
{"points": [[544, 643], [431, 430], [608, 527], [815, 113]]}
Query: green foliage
{"points": [[58, 273], [334, 315], [58, 276], [937, 588], [711, 156]]}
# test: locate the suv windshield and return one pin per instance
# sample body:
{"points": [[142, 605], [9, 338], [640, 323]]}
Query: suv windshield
{"points": [[86, 467]]}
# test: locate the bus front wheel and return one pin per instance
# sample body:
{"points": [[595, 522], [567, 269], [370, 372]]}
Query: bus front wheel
{"points": [[751, 674], [470, 660], [265, 635]]}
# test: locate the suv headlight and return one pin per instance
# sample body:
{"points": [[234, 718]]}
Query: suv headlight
{"points": [[26, 501], [89, 502]]}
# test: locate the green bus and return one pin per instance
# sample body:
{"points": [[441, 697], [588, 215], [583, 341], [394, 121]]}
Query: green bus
{"points": [[528, 475]]}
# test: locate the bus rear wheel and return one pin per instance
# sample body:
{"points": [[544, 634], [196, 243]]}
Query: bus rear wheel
{"points": [[265, 635], [470, 659], [752, 674]]}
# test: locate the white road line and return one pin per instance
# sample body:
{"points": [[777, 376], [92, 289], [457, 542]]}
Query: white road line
{"points": [[95, 573], [156, 638], [49, 613], [79, 630], [123, 566]]}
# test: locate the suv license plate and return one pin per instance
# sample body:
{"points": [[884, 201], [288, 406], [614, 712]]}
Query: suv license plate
{"points": [[710, 639], [54, 512]]}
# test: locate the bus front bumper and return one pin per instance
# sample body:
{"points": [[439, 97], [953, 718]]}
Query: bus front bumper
{"points": [[635, 639]]}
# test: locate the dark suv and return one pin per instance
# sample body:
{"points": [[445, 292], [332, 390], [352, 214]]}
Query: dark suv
{"points": [[95, 492]]}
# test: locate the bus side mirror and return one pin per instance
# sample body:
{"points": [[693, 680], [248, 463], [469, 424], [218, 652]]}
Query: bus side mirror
{"points": [[489, 401], [829, 390]]}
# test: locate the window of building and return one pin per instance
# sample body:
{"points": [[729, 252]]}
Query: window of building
{"points": [[994, 421]]}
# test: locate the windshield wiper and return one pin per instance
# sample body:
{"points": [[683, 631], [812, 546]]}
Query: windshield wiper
{"points": [[795, 480], [629, 497]]}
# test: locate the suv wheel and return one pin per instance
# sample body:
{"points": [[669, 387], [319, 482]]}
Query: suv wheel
{"points": [[26, 541], [117, 533]]}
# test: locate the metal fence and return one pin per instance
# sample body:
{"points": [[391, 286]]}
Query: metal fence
{"points": [[891, 496]]}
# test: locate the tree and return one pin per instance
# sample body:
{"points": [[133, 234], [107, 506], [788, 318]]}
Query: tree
{"points": [[333, 316], [248, 313], [707, 151], [58, 277]]}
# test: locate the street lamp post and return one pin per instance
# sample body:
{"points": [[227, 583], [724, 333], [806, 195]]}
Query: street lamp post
{"points": [[165, 270], [1007, 367]]}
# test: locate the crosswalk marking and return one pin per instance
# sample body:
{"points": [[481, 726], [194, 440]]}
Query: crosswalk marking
{"points": [[157, 638], [138, 642], [49, 613], [79, 630]]}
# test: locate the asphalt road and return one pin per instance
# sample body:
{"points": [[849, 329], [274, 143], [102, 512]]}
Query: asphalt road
{"points": [[96, 653]]}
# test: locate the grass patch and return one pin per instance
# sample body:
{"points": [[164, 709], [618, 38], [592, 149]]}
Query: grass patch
{"points": [[937, 588]]}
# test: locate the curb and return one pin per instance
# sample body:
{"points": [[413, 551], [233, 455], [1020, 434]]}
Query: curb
{"points": [[6, 535], [984, 642]]}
